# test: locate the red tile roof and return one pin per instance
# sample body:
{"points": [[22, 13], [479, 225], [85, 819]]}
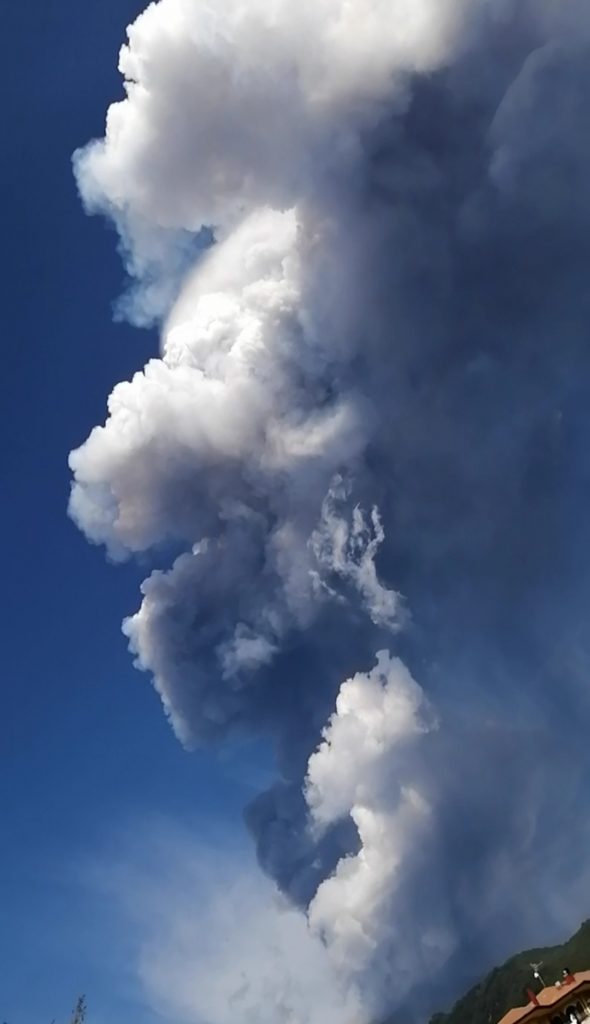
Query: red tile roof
{"points": [[546, 997]]}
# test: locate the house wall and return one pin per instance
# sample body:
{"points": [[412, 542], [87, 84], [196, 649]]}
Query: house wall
{"points": [[559, 1012]]}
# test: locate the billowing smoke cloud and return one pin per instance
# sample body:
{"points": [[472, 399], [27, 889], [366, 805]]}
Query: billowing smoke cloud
{"points": [[173, 902], [364, 227]]}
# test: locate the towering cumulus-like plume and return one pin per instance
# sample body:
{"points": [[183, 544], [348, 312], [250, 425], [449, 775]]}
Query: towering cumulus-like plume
{"points": [[364, 227]]}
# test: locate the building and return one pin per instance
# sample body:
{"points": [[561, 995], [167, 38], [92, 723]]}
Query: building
{"points": [[566, 1002]]}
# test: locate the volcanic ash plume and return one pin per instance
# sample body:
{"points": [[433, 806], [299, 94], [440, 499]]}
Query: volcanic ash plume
{"points": [[364, 230]]}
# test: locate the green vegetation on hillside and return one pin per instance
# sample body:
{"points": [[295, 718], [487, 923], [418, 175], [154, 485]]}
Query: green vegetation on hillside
{"points": [[506, 986]]}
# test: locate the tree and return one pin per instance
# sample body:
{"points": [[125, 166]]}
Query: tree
{"points": [[79, 1014]]}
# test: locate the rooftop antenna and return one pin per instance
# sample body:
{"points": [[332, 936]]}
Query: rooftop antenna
{"points": [[536, 974]]}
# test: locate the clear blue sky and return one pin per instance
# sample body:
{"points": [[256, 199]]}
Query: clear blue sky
{"points": [[86, 751]]}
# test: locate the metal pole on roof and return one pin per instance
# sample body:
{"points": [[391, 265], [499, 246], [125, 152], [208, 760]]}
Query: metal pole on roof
{"points": [[536, 973]]}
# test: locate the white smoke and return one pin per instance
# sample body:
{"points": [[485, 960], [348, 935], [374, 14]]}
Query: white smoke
{"points": [[299, 384], [228, 444], [361, 769], [209, 939], [238, 105], [232, 442], [235, 118], [235, 949], [348, 550], [376, 712]]}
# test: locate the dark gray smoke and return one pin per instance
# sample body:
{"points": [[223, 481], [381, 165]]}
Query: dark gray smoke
{"points": [[368, 429]]}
